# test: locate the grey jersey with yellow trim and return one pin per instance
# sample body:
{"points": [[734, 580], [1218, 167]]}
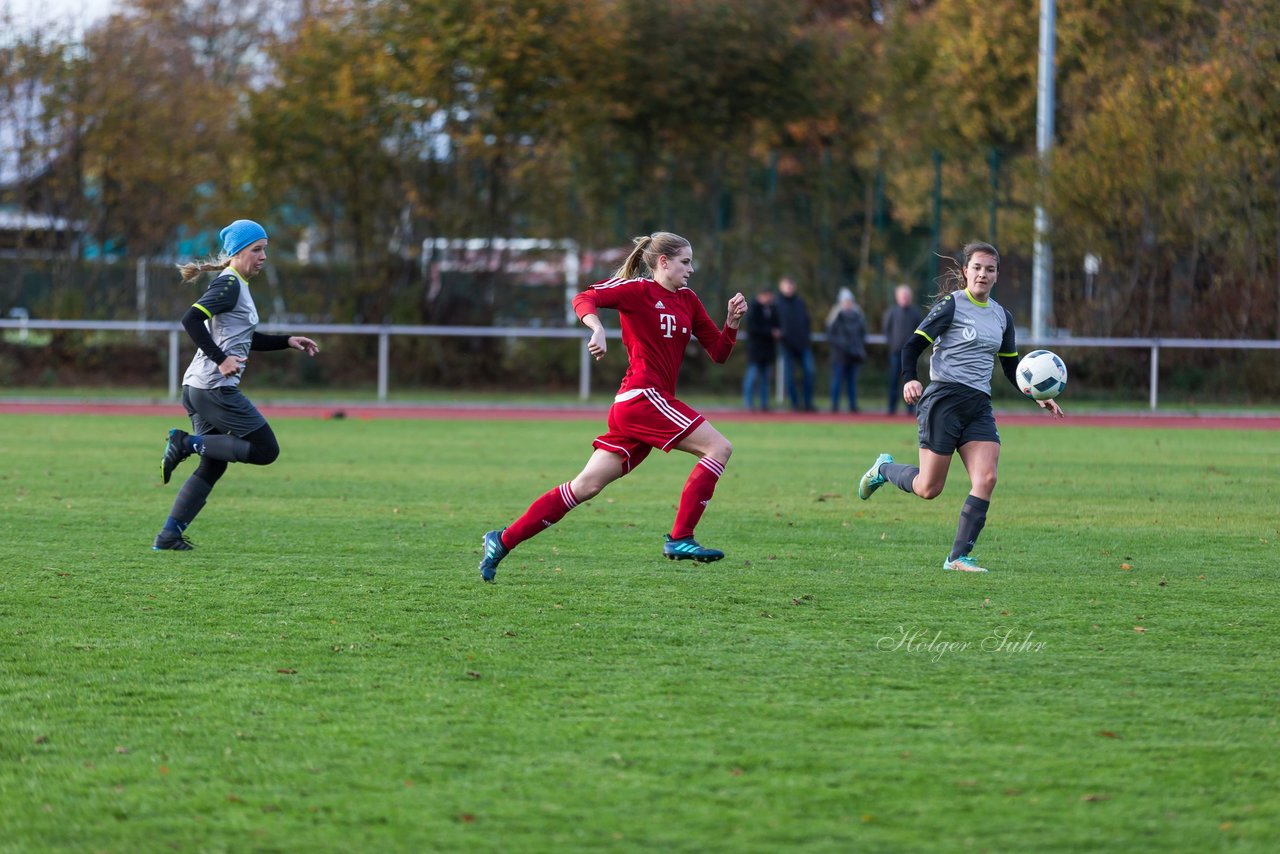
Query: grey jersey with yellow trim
{"points": [[966, 337], [232, 320]]}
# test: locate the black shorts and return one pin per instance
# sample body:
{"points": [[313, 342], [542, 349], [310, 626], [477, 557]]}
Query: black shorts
{"points": [[221, 410], [950, 414]]}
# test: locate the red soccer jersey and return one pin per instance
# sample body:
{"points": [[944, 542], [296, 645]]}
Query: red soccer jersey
{"points": [[656, 326]]}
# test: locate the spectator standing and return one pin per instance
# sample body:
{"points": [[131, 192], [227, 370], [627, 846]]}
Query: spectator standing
{"points": [[847, 337], [763, 331], [797, 351], [899, 324]]}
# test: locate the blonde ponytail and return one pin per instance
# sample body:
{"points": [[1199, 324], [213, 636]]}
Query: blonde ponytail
{"points": [[192, 269], [648, 249]]}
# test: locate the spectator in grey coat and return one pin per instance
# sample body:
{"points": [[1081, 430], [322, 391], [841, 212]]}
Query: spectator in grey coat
{"points": [[847, 337]]}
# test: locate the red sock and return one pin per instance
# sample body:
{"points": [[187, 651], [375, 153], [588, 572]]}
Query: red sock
{"points": [[543, 513], [697, 492]]}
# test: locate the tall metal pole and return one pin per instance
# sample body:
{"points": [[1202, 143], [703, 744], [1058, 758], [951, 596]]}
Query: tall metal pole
{"points": [[1042, 268], [935, 239]]}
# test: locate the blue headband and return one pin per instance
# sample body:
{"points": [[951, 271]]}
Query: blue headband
{"points": [[240, 234]]}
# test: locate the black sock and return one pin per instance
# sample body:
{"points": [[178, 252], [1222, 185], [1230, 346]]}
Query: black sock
{"points": [[189, 502], [973, 515], [231, 449], [900, 475]]}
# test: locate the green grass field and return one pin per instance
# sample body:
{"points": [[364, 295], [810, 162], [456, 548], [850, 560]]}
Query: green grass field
{"points": [[326, 672]]}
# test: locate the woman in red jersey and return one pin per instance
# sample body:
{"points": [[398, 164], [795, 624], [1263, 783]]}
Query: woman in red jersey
{"points": [[658, 316]]}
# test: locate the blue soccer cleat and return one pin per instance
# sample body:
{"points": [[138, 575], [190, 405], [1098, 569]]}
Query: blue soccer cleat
{"points": [[687, 548], [873, 480], [494, 552]]}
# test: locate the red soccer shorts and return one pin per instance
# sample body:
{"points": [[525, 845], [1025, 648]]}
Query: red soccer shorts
{"points": [[644, 419]]}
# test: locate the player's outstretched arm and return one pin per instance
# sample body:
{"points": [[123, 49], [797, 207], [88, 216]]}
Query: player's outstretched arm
{"points": [[306, 345], [1053, 408]]}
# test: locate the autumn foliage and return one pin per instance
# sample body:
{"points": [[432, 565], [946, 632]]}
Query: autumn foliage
{"points": [[844, 142]]}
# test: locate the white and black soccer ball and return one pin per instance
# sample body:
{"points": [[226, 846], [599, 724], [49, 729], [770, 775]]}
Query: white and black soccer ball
{"points": [[1042, 375]]}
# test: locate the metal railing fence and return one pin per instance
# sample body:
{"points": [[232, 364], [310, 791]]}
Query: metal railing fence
{"points": [[384, 334]]}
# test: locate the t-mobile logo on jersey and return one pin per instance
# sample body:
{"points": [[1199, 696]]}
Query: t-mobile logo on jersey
{"points": [[668, 324]]}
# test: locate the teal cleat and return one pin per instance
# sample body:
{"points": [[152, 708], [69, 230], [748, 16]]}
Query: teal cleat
{"points": [[873, 480], [964, 563], [494, 552], [687, 548]]}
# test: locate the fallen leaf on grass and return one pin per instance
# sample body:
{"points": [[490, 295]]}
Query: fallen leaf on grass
{"points": [[286, 670], [1093, 799], [466, 817], [42, 739], [1140, 630], [473, 674], [1126, 567], [736, 772], [1106, 733]]}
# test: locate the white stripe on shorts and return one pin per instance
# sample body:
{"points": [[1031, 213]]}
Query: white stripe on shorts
{"points": [[673, 415]]}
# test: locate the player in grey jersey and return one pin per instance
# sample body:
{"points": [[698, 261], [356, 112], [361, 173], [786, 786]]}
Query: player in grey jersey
{"points": [[227, 426], [968, 330]]}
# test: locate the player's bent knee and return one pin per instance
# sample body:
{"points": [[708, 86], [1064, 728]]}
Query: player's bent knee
{"points": [[927, 491], [263, 454], [586, 489]]}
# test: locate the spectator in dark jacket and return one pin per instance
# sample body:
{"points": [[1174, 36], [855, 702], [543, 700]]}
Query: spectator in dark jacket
{"points": [[797, 352], [847, 337], [899, 324], [763, 331]]}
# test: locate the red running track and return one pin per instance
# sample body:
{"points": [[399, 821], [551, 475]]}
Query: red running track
{"points": [[531, 413]]}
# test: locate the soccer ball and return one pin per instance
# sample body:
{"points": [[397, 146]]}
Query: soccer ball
{"points": [[1041, 375]]}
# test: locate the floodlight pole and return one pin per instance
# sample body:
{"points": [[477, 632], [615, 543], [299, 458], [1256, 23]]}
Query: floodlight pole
{"points": [[1042, 265]]}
